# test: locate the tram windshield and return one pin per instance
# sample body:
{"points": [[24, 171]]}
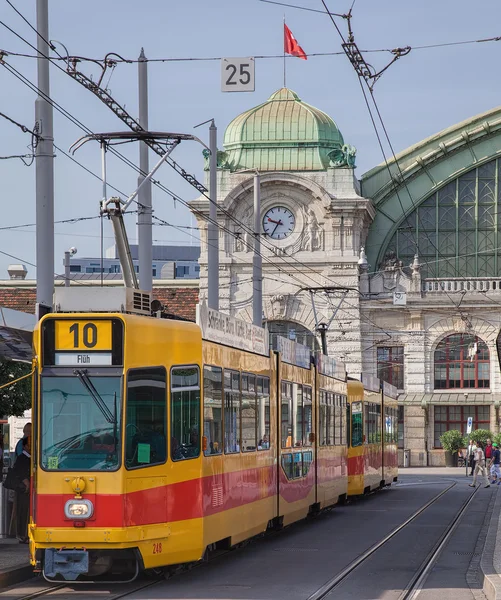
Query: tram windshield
{"points": [[80, 423]]}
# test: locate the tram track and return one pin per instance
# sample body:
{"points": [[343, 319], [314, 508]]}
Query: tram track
{"points": [[417, 581], [67, 591]]}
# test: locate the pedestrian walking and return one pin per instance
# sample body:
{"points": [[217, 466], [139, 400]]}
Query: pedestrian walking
{"points": [[21, 472], [480, 467], [495, 460], [26, 433], [471, 456]]}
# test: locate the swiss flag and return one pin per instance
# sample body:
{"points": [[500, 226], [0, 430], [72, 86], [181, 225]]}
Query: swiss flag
{"points": [[291, 46]]}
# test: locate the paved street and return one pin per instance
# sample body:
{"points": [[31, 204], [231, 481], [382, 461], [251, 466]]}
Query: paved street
{"points": [[295, 563]]}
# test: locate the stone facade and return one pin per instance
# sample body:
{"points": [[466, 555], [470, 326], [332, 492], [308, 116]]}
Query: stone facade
{"points": [[342, 225]]}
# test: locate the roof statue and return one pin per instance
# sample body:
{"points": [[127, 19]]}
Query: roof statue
{"points": [[284, 134]]}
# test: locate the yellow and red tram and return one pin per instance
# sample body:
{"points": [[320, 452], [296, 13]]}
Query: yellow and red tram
{"points": [[154, 445], [372, 451]]}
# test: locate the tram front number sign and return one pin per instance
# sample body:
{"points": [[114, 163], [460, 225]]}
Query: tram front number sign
{"points": [[83, 335]]}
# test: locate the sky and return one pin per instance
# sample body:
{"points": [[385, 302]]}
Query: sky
{"points": [[424, 92]]}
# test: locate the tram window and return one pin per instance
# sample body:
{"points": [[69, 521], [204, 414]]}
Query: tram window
{"points": [[322, 420], [339, 421], [343, 419], [213, 410], [185, 413], [307, 460], [231, 411], [307, 416], [331, 415], [356, 424], [263, 413], [286, 414], [146, 418], [248, 413], [76, 432], [297, 409]]}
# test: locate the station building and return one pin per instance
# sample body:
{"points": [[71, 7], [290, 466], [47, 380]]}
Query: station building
{"points": [[403, 265]]}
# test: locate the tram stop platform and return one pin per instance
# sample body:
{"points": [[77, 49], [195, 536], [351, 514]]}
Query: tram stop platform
{"points": [[14, 562]]}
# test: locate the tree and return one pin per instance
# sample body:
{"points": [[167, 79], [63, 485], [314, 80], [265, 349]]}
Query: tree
{"points": [[480, 435], [15, 399], [452, 441]]}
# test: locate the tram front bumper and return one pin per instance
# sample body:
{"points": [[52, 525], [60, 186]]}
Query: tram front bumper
{"points": [[67, 563]]}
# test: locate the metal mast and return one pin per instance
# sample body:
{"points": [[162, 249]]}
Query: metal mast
{"points": [[212, 228], [44, 156], [257, 262], [144, 221]]}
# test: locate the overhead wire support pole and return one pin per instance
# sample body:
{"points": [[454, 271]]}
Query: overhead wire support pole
{"points": [[212, 228], [144, 216], [44, 160], [257, 262]]}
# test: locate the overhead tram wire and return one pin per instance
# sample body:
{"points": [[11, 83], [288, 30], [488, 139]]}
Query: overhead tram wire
{"points": [[331, 15], [402, 178], [177, 197], [130, 163], [227, 213]]}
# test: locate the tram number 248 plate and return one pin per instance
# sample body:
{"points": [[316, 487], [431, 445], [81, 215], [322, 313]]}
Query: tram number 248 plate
{"points": [[237, 75], [83, 335]]}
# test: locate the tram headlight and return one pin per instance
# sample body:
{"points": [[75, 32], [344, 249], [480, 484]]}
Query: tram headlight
{"points": [[78, 509]]}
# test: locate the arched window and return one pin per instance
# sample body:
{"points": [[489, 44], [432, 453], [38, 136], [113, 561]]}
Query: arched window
{"points": [[461, 361], [456, 230], [292, 331]]}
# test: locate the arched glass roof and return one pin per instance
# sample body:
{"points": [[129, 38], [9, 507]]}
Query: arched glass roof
{"points": [[455, 231]]}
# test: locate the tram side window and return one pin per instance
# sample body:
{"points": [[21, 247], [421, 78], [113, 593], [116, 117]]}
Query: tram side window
{"points": [[343, 420], [263, 413], [337, 409], [357, 431], [297, 399], [331, 414], [213, 410], [286, 414], [146, 418], [248, 412], [185, 412], [307, 416], [322, 419], [231, 411]]}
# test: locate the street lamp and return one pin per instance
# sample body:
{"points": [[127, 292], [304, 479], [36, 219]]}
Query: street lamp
{"points": [[71, 252]]}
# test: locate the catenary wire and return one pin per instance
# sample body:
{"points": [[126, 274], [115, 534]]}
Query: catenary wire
{"points": [[226, 212]]}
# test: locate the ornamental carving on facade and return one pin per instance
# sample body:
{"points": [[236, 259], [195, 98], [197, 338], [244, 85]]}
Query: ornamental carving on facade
{"points": [[342, 157], [313, 237]]}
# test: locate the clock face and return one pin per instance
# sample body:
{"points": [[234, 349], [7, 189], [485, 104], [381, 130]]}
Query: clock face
{"points": [[279, 222]]}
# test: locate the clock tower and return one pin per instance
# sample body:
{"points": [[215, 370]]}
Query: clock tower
{"points": [[313, 224]]}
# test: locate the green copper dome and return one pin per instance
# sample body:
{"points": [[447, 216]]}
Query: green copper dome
{"points": [[283, 134]]}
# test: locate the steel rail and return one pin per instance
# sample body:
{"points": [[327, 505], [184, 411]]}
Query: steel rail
{"points": [[323, 591], [416, 584], [81, 593]]}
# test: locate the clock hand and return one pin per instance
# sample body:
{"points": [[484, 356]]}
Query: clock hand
{"points": [[272, 221], [277, 224]]}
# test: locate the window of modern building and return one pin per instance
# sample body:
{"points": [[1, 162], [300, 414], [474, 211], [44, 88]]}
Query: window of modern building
{"points": [[455, 230], [461, 360], [456, 417], [182, 271], [75, 268], [390, 365]]}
